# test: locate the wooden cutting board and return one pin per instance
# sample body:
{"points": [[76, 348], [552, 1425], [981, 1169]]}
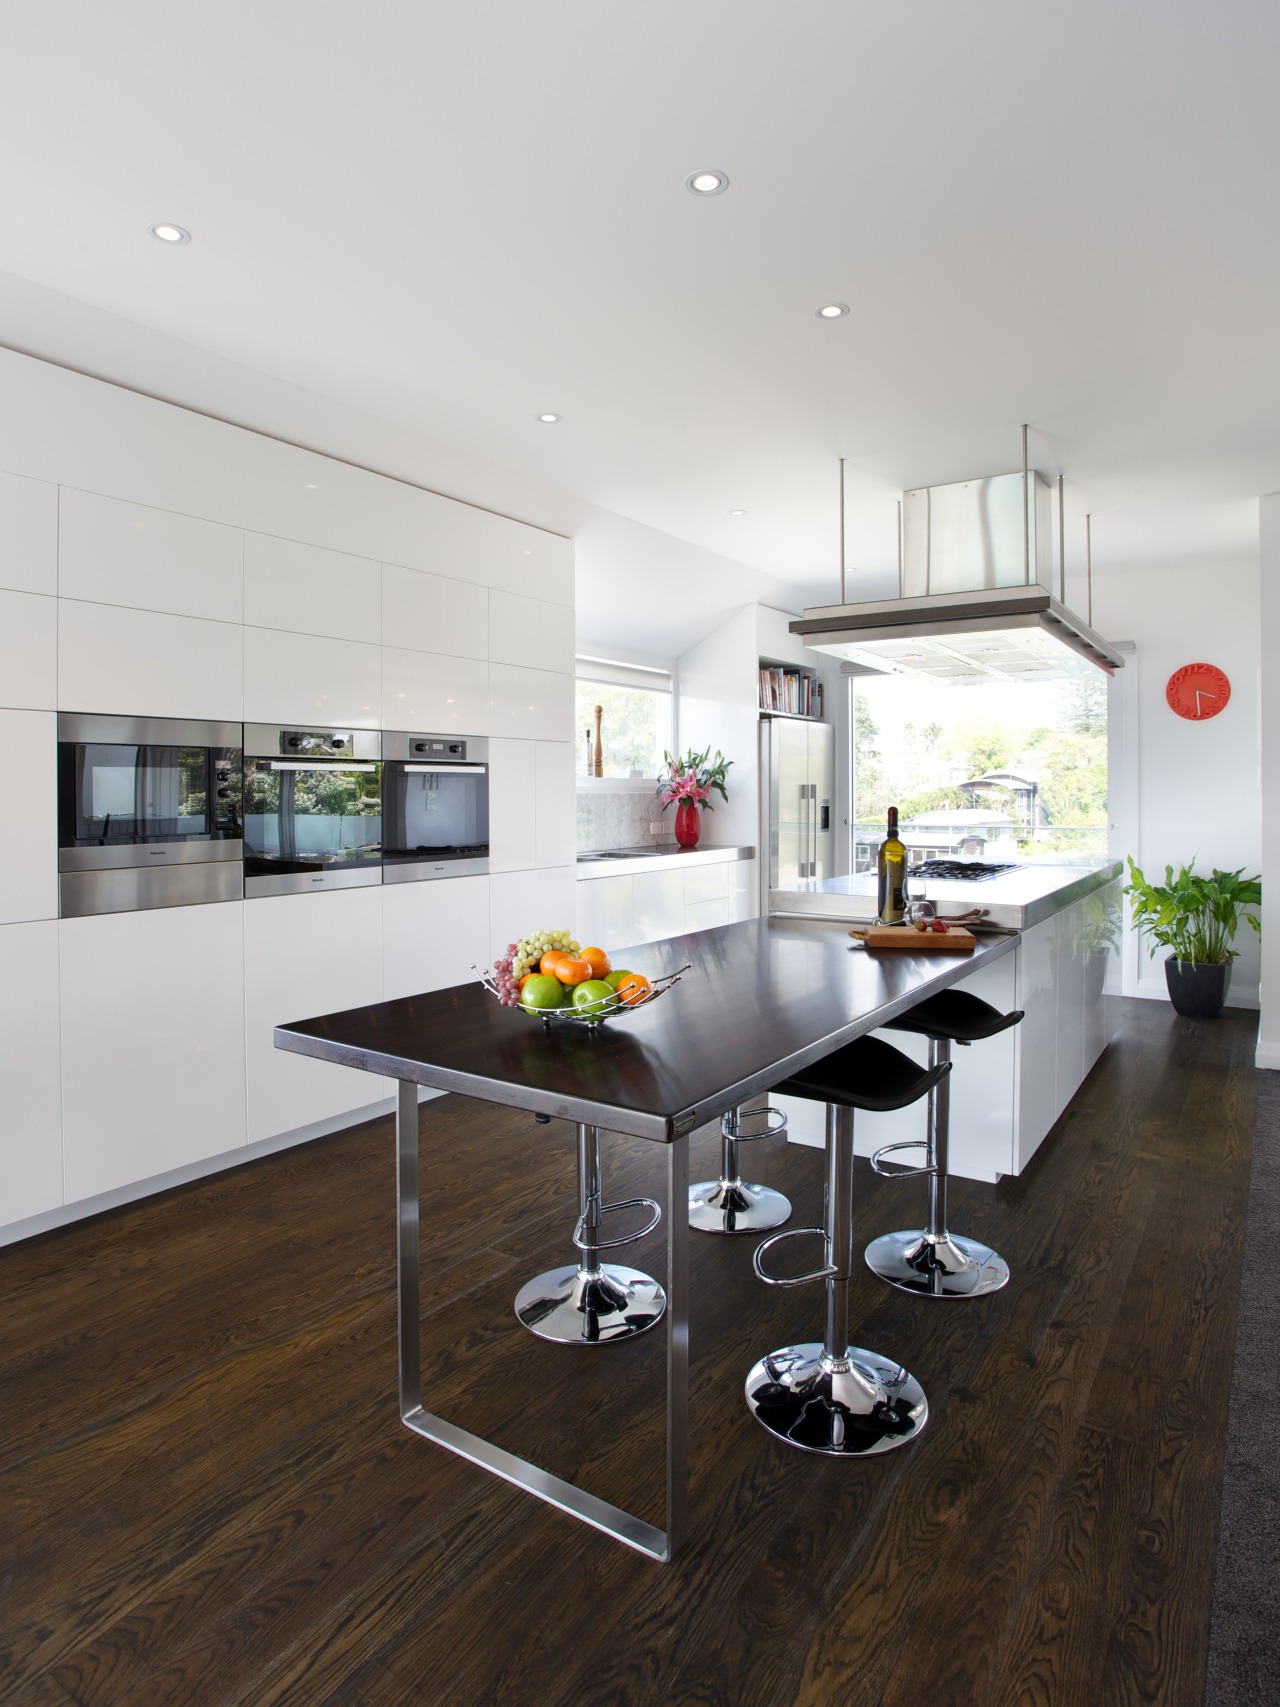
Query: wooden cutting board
{"points": [[954, 940]]}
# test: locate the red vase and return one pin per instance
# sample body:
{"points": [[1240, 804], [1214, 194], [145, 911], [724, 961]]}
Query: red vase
{"points": [[688, 824]]}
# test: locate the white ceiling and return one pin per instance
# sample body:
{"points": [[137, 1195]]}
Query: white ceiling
{"points": [[454, 216]]}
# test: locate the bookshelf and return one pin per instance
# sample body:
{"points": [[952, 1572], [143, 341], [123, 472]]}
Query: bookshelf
{"points": [[788, 691]]}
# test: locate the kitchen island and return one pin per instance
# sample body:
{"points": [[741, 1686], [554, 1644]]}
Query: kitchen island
{"points": [[1064, 975], [760, 1000]]}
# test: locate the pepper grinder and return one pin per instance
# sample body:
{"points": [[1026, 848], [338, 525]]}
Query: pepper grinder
{"points": [[599, 759]]}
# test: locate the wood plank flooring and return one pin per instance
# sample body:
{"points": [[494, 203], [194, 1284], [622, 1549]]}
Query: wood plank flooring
{"points": [[206, 1496]]}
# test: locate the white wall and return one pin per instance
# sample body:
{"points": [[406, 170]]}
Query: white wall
{"points": [[1185, 791], [718, 706], [1269, 781]]}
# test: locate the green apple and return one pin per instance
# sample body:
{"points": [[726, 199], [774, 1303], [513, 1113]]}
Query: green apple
{"points": [[594, 996], [542, 992], [615, 978]]}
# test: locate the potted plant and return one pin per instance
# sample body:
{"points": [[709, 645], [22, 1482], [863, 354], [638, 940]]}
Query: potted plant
{"points": [[1197, 917], [688, 782]]}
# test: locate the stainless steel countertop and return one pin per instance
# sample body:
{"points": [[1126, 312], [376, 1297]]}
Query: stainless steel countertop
{"points": [[625, 862], [1017, 900]]}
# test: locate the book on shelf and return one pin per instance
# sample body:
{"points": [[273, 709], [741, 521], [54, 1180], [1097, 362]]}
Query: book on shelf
{"points": [[794, 692]]}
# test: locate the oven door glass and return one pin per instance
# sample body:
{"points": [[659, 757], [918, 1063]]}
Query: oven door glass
{"points": [[306, 815], [436, 812], [114, 795]]}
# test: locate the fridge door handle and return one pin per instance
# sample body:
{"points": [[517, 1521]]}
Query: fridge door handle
{"points": [[804, 830], [813, 828]]}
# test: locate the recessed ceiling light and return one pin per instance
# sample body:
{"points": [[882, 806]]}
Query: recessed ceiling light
{"points": [[548, 420], [737, 512], [706, 183], [832, 310], [169, 233]]}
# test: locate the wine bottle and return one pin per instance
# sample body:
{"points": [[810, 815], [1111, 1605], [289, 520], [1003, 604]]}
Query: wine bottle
{"points": [[891, 875]]}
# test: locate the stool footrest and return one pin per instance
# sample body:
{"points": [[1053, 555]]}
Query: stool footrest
{"points": [[903, 1172], [823, 1273], [775, 1121], [627, 1238]]}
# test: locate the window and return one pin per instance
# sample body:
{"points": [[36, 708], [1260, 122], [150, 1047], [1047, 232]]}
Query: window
{"points": [[636, 721]]}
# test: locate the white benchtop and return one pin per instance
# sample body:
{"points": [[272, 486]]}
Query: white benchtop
{"points": [[626, 862], [1015, 900]]}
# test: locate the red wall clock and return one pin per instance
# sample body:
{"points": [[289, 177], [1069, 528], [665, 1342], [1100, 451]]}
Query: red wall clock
{"points": [[1198, 691]]}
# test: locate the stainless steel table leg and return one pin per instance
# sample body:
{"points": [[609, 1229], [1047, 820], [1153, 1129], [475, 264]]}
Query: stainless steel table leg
{"points": [[565, 1496]]}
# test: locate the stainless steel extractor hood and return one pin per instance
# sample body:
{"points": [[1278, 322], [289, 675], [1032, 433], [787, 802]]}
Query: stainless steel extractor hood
{"points": [[975, 593]]}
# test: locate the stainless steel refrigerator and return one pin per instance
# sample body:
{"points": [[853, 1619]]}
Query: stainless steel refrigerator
{"points": [[797, 794]]}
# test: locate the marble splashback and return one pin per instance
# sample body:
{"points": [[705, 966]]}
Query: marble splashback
{"points": [[620, 816]]}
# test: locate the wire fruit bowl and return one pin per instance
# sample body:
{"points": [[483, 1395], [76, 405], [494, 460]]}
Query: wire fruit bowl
{"points": [[582, 1016]]}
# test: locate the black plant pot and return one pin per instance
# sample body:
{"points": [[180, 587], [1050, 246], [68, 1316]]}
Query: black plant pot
{"points": [[1199, 988]]}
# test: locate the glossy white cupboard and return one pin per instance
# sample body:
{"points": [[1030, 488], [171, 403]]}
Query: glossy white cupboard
{"points": [[30, 1061], [153, 1076], [304, 955], [28, 534]]}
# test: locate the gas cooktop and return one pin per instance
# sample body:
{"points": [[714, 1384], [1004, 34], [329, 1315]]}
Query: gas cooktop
{"points": [[959, 870]]}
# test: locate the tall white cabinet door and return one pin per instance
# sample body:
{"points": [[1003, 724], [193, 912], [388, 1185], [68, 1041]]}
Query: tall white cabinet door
{"points": [[555, 823], [433, 933], [514, 806], [28, 534], [28, 650], [152, 1043], [306, 955], [31, 1125], [29, 818]]}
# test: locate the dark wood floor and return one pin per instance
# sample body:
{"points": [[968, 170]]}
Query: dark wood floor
{"points": [[206, 1495]]}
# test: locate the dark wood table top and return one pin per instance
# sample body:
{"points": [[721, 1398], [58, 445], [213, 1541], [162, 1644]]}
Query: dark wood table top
{"points": [[763, 998]]}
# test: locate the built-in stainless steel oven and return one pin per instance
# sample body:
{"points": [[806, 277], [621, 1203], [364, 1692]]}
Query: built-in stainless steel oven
{"points": [[312, 809], [436, 812], [149, 813]]}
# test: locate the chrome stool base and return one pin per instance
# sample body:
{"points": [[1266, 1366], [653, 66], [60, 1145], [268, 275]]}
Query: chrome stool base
{"points": [[732, 1204], [847, 1407], [937, 1266], [576, 1307], [721, 1206]]}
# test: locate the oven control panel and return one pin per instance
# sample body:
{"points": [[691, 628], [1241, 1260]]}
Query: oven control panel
{"points": [[438, 747], [329, 743]]}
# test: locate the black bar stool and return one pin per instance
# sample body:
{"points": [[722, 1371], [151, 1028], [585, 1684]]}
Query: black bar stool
{"points": [[833, 1397], [732, 1204], [930, 1260], [592, 1302]]}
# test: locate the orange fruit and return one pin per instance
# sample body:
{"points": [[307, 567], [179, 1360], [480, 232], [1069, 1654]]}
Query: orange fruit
{"points": [[634, 988], [601, 965], [569, 969], [520, 983], [547, 965]]}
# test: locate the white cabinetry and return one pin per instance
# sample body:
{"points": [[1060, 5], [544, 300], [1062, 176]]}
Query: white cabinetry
{"points": [[144, 664], [306, 955], [130, 554], [31, 1125], [307, 679], [28, 650], [521, 901], [433, 934], [649, 906], [29, 818], [530, 631], [434, 693], [306, 590], [536, 705], [432, 613], [28, 534], [152, 1043]]}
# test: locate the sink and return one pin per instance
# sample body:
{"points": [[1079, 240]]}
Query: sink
{"points": [[627, 853]]}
